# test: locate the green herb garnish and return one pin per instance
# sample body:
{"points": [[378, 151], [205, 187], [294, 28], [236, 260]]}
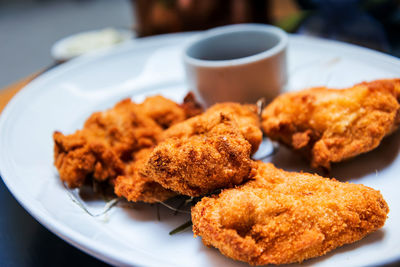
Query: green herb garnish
{"points": [[181, 228]]}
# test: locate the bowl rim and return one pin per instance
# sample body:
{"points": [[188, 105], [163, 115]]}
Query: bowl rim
{"points": [[250, 27]]}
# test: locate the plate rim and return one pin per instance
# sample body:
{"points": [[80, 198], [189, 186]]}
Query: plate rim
{"points": [[80, 241]]}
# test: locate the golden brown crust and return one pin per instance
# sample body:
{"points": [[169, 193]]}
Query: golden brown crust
{"points": [[206, 152], [135, 187], [107, 140], [329, 125], [76, 159], [247, 119], [163, 111], [190, 106], [110, 139], [244, 116], [201, 155], [285, 217]]}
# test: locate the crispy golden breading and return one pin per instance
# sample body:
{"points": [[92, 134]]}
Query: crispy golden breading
{"points": [[163, 111], [330, 125], [190, 106], [210, 153], [76, 158], [285, 217], [206, 152], [110, 138], [135, 187], [167, 113], [124, 128], [245, 117]]}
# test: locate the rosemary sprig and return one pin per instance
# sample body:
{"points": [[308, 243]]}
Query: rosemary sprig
{"points": [[158, 212], [107, 207], [182, 204], [181, 228], [172, 208]]}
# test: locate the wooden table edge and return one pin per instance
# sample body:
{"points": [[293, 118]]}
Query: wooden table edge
{"points": [[8, 92]]}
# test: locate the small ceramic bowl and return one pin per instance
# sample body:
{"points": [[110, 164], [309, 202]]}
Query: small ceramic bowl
{"points": [[240, 63]]}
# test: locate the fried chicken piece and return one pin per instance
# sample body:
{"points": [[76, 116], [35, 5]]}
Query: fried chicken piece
{"points": [[76, 158], [206, 152], [109, 139], [167, 113], [124, 128], [200, 155], [163, 111], [190, 106], [330, 125], [284, 217], [245, 116], [135, 187]]}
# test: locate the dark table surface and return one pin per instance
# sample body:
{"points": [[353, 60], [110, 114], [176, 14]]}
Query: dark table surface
{"points": [[25, 242]]}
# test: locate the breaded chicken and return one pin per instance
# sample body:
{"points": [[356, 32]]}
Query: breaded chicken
{"points": [[110, 138], [77, 157], [107, 140], [190, 106], [203, 154], [330, 125], [284, 217], [245, 116], [166, 112], [135, 187]]}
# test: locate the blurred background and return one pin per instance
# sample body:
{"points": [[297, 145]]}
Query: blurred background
{"points": [[29, 28]]}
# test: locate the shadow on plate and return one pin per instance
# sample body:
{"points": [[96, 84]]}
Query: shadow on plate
{"points": [[95, 201], [217, 259], [371, 162], [289, 160], [159, 213]]}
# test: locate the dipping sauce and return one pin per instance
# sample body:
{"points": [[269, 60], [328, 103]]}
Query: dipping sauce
{"points": [[85, 42], [228, 46], [237, 63]]}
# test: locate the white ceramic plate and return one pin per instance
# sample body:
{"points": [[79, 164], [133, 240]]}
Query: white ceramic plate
{"points": [[62, 98]]}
